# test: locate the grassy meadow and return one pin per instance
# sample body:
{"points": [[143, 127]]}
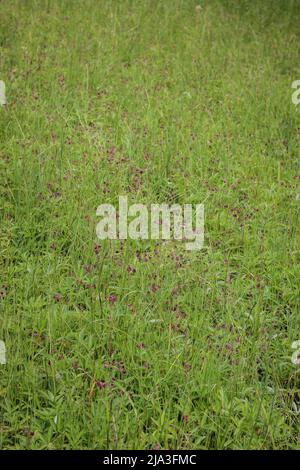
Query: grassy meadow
{"points": [[142, 344]]}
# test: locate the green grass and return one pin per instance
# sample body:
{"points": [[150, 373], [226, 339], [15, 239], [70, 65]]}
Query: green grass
{"points": [[163, 103]]}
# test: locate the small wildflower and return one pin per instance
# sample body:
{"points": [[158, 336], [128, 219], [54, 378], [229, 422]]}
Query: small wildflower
{"points": [[157, 446], [2, 353], [57, 297], [97, 249], [100, 384], [296, 358], [296, 354], [112, 298], [130, 270], [2, 93], [26, 432], [185, 419]]}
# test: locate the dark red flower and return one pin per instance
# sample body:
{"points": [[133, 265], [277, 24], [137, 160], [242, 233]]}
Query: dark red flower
{"points": [[112, 298], [130, 270], [100, 384], [27, 432], [57, 297]]}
